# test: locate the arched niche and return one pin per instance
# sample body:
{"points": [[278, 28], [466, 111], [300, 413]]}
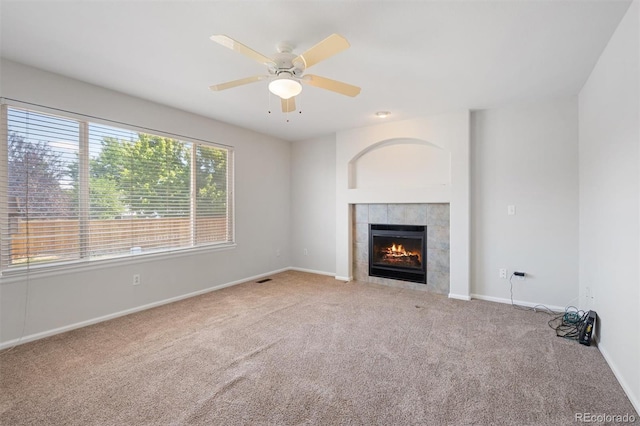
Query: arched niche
{"points": [[400, 163]]}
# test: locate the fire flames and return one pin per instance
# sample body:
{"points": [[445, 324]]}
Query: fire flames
{"points": [[397, 250]]}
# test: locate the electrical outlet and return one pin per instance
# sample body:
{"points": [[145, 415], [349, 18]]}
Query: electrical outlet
{"points": [[277, 252], [503, 273], [306, 252], [136, 279], [589, 296]]}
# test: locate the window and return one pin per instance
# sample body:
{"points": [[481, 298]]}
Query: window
{"points": [[78, 191]]}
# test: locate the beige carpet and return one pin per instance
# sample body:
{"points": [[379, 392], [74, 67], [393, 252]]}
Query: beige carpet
{"points": [[307, 349]]}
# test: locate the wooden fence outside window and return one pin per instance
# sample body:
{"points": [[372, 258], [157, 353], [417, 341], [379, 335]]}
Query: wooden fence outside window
{"points": [[56, 239]]}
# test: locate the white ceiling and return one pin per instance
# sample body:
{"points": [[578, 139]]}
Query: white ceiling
{"points": [[412, 58]]}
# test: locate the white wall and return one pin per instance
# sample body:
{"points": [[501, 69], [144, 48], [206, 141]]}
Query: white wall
{"points": [[405, 164], [609, 201], [262, 213], [526, 156], [313, 204]]}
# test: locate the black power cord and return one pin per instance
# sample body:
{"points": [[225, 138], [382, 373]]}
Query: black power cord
{"points": [[569, 324], [536, 308]]}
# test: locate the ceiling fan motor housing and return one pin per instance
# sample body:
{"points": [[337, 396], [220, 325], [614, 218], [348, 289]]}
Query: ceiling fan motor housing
{"points": [[283, 62]]}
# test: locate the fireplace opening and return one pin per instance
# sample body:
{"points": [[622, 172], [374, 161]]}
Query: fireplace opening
{"points": [[398, 252]]}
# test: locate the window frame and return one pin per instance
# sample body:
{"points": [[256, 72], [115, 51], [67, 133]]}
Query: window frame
{"points": [[86, 262]]}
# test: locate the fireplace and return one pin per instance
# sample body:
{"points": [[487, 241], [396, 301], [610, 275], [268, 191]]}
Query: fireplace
{"points": [[398, 252]]}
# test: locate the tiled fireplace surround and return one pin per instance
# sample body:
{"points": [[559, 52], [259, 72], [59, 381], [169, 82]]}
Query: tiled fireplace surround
{"points": [[434, 215], [418, 147]]}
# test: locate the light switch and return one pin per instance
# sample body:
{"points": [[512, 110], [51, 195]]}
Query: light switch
{"points": [[511, 210]]}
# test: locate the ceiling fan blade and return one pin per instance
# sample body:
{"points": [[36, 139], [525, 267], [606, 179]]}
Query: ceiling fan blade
{"points": [[232, 44], [234, 83], [333, 85], [328, 47], [288, 105]]}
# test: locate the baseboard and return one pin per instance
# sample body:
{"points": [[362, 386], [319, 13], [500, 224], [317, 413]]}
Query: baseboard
{"points": [[459, 296], [344, 278], [634, 399], [516, 302], [312, 271], [52, 332]]}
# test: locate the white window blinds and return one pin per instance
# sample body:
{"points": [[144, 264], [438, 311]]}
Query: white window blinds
{"points": [[78, 191]]}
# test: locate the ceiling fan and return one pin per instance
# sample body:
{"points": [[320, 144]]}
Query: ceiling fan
{"points": [[286, 69]]}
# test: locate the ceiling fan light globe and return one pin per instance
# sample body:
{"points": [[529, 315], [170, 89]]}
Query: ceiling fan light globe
{"points": [[285, 88]]}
